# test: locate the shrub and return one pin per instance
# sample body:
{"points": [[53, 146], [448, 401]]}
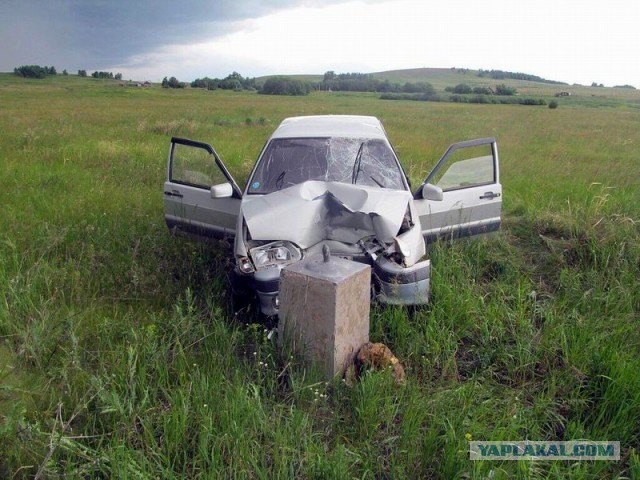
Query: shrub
{"points": [[420, 97], [461, 89], [230, 84], [482, 91], [418, 87], [233, 81], [553, 104], [386, 86], [285, 86], [484, 99], [206, 82], [425, 88], [457, 99], [502, 89], [329, 75], [82, 73], [173, 82], [365, 82], [501, 74], [533, 101], [31, 71], [108, 75], [479, 99]]}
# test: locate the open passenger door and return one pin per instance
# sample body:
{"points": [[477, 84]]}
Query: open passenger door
{"points": [[200, 196], [462, 195]]}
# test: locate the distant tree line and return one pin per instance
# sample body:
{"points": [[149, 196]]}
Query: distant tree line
{"points": [[34, 71], [365, 82], [285, 86], [233, 81], [342, 82], [359, 82], [501, 75], [631, 87], [464, 89], [484, 99], [172, 82], [108, 75]]}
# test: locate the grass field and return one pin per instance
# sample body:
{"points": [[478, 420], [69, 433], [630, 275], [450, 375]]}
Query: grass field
{"points": [[120, 356]]}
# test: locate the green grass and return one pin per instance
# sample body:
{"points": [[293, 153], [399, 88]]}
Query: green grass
{"points": [[121, 358]]}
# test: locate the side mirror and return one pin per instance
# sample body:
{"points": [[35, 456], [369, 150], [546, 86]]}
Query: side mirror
{"points": [[432, 192], [222, 190]]}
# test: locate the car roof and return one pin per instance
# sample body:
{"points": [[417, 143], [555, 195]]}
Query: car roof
{"points": [[349, 126]]}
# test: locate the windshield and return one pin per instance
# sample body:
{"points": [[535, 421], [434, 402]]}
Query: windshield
{"points": [[290, 161]]}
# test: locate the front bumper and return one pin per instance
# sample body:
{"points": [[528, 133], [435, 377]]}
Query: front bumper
{"points": [[264, 283], [398, 285], [394, 284]]}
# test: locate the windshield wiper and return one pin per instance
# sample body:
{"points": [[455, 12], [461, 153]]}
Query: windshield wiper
{"points": [[378, 182], [356, 165], [280, 180]]}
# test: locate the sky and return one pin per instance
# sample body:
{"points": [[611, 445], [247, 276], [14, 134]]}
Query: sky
{"points": [[567, 40]]}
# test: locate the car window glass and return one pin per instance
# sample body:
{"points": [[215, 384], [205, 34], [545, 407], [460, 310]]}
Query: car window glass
{"points": [[466, 167], [290, 161], [378, 167], [195, 166]]}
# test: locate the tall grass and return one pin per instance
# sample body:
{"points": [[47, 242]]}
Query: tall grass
{"points": [[120, 356]]}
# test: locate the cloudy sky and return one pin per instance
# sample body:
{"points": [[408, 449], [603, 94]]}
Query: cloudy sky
{"points": [[573, 41]]}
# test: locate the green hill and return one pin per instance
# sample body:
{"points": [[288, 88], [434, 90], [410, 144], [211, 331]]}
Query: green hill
{"points": [[441, 78], [438, 77]]}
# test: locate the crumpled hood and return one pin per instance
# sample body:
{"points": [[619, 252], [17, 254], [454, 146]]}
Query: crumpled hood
{"points": [[310, 212]]}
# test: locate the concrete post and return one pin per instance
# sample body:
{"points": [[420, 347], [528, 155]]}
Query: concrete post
{"points": [[324, 311]]}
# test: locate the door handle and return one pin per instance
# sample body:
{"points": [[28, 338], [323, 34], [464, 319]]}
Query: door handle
{"points": [[489, 195], [175, 193]]}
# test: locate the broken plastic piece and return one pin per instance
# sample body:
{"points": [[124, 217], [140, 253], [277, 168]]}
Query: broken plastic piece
{"points": [[326, 253]]}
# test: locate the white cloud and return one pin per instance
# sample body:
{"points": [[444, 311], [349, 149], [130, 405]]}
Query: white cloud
{"points": [[570, 41]]}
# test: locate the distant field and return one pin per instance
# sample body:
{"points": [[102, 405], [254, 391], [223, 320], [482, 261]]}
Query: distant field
{"points": [[438, 77], [120, 356], [448, 77]]}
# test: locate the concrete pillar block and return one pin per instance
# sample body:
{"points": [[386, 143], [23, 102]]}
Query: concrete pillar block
{"points": [[324, 311]]}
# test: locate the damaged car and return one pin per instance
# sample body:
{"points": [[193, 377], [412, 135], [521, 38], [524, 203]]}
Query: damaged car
{"points": [[336, 181]]}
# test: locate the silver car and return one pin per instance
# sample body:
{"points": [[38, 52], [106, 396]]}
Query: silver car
{"points": [[333, 180]]}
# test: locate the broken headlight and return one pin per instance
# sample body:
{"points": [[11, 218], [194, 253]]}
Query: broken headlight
{"points": [[245, 265], [275, 253]]}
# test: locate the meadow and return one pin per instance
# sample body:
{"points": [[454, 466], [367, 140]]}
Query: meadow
{"points": [[121, 357]]}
